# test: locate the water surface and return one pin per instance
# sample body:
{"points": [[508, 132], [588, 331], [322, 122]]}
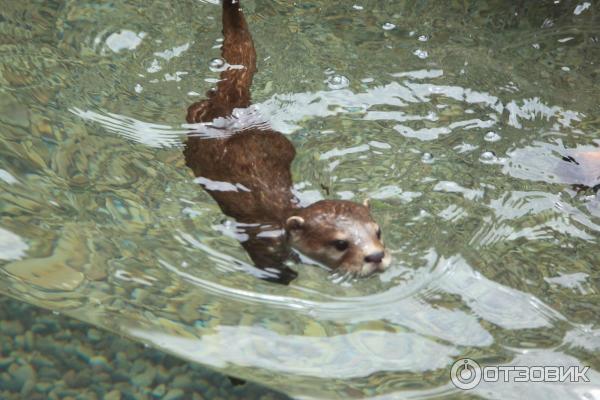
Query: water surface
{"points": [[453, 117]]}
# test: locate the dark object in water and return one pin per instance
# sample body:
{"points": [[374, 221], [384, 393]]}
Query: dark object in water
{"points": [[236, 381], [582, 170]]}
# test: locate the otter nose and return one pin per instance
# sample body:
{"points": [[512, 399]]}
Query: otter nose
{"points": [[375, 257]]}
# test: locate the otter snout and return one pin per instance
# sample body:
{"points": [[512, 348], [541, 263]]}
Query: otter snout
{"points": [[375, 262], [375, 258]]}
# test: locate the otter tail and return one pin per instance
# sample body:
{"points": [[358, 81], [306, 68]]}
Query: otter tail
{"points": [[233, 89]]}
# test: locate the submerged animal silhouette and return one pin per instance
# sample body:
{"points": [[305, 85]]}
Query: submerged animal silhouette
{"points": [[247, 172]]}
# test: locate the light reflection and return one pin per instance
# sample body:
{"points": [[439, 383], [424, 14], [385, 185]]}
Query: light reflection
{"points": [[12, 247], [147, 133], [346, 356], [424, 145], [124, 40]]}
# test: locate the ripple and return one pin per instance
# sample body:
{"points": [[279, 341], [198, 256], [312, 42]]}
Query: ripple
{"points": [[469, 168], [149, 134]]}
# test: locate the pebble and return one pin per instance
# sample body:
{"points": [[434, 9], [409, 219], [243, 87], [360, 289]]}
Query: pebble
{"points": [[29, 341], [6, 382], [19, 341], [94, 335], [101, 377], [139, 365], [121, 376], [80, 379], [6, 361], [146, 378], [49, 373], [40, 361], [70, 378], [101, 362], [113, 395], [182, 382], [162, 374], [159, 391], [27, 388], [84, 352], [24, 377], [11, 328], [44, 327], [121, 361], [42, 387], [174, 394]]}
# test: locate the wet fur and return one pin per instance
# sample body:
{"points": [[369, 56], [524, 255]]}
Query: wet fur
{"points": [[256, 163]]}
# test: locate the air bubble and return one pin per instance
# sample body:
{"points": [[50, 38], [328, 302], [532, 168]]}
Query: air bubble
{"points": [[388, 26], [422, 54], [492, 137], [216, 64], [488, 157], [427, 158], [337, 82], [423, 38]]}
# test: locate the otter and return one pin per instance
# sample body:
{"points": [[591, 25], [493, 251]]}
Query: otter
{"points": [[246, 170]]}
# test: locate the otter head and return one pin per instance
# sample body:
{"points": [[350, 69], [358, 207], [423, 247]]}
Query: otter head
{"points": [[341, 235]]}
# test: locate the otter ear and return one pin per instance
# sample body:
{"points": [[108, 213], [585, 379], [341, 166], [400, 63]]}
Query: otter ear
{"points": [[367, 203], [294, 222]]}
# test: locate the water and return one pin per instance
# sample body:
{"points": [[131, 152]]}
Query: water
{"points": [[495, 255]]}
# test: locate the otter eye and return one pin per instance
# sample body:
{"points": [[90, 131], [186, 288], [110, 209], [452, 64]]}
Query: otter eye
{"points": [[378, 233], [340, 245]]}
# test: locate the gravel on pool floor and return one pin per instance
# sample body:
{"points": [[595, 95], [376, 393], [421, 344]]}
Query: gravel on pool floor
{"points": [[48, 356]]}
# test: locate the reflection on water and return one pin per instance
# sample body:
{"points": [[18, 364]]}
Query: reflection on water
{"points": [[453, 118]]}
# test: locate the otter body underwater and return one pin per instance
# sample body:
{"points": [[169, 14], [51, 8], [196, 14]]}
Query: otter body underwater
{"points": [[247, 172]]}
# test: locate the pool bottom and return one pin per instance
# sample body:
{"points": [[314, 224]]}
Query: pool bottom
{"points": [[44, 355]]}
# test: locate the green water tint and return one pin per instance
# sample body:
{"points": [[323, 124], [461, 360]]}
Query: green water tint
{"points": [[452, 116]]}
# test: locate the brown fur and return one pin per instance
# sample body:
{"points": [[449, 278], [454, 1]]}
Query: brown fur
{"points": [[254, 166]]}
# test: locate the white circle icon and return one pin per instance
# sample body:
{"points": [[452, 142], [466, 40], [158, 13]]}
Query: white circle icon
{"points": [[465, 374]]}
